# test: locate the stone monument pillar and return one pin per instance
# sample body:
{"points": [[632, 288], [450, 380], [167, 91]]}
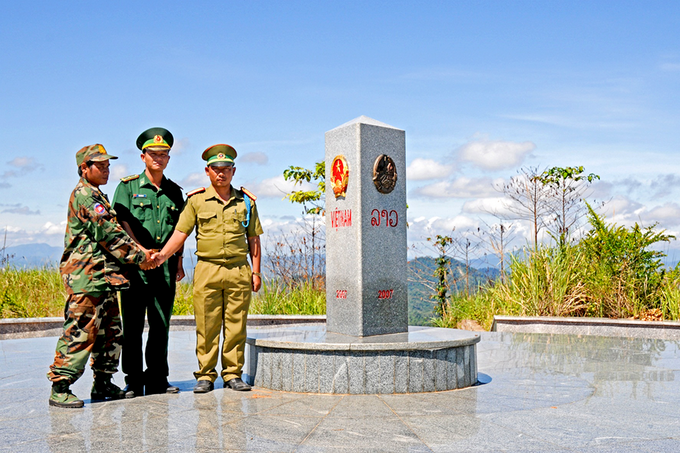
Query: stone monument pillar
{"points": [[366, 345], [366, 273]]}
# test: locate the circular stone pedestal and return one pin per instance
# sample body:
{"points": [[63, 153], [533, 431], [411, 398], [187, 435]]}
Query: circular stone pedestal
{"points": [[306, 358]]}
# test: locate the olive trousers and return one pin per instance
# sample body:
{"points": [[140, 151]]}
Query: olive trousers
{"points": [[222, 294]]}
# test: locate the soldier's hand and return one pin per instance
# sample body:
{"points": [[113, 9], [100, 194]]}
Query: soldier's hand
{"points": [[180, 270], [159, 258], [148, 262], [256, 283]]}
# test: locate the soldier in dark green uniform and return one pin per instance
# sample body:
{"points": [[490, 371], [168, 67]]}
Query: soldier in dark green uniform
{"points": [[95, 247], [227, 231], [148, 206]]}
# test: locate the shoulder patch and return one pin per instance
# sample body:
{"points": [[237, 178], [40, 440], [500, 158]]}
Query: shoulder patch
{"points": [[195, 191], [248, 193], [129, 178]]}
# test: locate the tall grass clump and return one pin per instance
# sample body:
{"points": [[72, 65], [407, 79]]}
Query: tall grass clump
{"points": [[184, 299], [274, 298], [612, 272], [277, 298], [30, 293]]}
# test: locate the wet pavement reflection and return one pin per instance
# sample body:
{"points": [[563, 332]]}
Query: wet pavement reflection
{"points": [[538, 392]]}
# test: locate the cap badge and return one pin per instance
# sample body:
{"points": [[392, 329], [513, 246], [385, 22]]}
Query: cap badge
{"points": [[220, 156], [158, 139]]}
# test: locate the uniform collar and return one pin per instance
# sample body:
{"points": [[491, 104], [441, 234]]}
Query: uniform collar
{"points": [[144, 180], [212, 193]]}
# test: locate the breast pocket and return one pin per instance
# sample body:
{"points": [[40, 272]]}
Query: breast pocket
{"points": [[141, 208], [234, 222], [207, 222]]}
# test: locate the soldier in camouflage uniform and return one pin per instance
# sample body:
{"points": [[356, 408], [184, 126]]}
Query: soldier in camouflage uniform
{"points": [[95, 247]]}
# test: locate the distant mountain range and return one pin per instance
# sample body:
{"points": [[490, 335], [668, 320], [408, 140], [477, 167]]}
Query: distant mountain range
{"points": [[32, 255]]}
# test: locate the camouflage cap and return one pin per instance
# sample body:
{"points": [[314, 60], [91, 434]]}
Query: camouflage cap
{"points": [[93, 153], [156, 137], [219, 155]]}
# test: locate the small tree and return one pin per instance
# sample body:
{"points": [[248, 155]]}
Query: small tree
{"points": [[530, 196], [313, 203], [568, 187], [441, 272], [497, 237]]}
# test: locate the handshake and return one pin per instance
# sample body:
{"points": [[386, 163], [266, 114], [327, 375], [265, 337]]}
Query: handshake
{"points": [[152, 260]]}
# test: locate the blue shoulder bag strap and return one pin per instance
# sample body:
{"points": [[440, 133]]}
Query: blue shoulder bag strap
{"points": [[246, 198]]}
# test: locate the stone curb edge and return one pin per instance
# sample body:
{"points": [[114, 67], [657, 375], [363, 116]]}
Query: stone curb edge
{"points": [[12, 328], [631, 328]]}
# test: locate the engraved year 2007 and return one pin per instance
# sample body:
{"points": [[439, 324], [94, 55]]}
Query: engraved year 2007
{"points": [[385, 293]]}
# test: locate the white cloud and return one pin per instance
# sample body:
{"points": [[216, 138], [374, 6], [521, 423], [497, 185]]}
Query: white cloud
{"points": [[666, 214], [19, 209], [22, 162], [670, 67], [495, 154], [425, 227], [179, 146], [50, 233], [195, 180], [423, 169], [460, 188], [498, 206], [256, 158], [275, 187], [118, 171]]}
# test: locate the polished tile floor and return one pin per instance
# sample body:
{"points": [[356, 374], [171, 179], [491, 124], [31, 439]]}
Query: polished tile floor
{"points": [[538, 393]]}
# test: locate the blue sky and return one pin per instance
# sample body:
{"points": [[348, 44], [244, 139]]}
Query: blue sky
{"points": [[481, 89]]}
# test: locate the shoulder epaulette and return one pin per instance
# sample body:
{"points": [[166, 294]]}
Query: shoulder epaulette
{"points": [[248, 193], [129, 178], [195, 191]]}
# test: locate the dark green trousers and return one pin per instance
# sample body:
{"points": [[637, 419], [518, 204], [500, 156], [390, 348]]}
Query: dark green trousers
{"points": [[152, 300]]}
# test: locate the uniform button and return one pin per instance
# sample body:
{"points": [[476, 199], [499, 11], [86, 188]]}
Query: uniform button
{"points": [[158, 238], [159, 206], [158, 221]]}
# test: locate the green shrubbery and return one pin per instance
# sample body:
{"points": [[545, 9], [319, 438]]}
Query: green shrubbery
{"points": [[612, 272]]}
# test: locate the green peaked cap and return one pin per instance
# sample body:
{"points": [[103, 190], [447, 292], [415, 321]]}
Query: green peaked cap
{"points": [[156, 136], [221, 153]]}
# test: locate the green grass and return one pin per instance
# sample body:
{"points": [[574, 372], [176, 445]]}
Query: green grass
{"points": [[31, 293], [272, 299]]}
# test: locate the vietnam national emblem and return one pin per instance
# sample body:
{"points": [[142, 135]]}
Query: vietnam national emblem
{"points": [[339, 176]]}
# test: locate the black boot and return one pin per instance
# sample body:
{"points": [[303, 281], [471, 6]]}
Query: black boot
{"points": [[103, 389]]}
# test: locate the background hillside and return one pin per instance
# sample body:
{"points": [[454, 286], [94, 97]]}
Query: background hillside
{"points": [[421, 282]]}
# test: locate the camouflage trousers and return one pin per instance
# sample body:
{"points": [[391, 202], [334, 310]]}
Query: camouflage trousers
{"points": [[91, 328]]}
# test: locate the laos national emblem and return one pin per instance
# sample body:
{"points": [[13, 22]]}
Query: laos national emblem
{"points": [[339, 176], [384, 174]]}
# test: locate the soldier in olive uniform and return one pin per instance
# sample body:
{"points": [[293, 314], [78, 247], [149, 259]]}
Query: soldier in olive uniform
{"points": [[227, 230], [148, 206], [95, 247]]}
